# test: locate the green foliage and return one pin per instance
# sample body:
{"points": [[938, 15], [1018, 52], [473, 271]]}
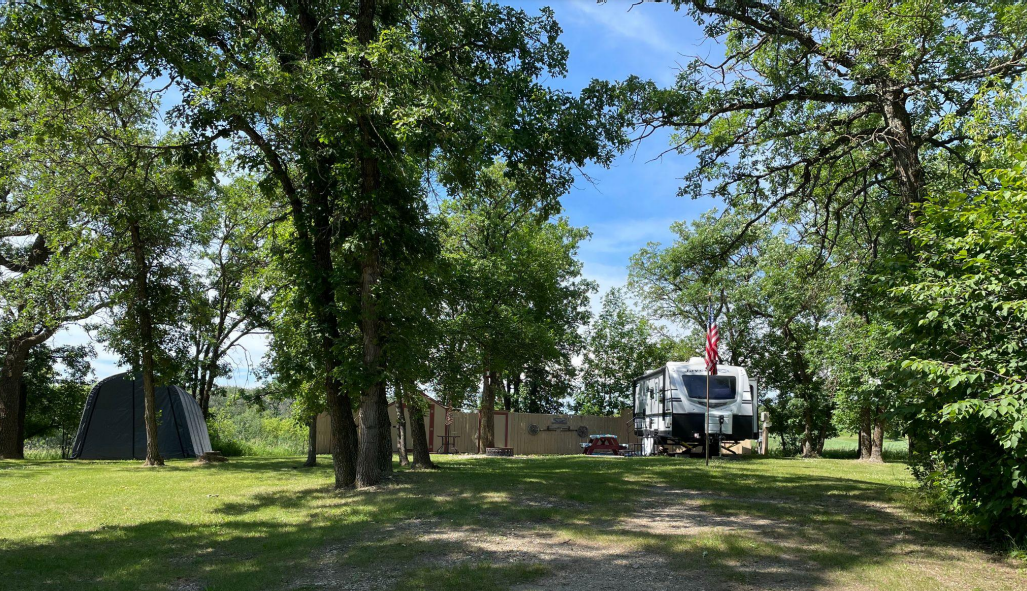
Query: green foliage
{"points": [[226, 292], [960, 310], [57, 383], [849, 124], [353, 115], [513, 296], [621, 345], [835, 117], [862, 362], [239, 428], [786, 424]]}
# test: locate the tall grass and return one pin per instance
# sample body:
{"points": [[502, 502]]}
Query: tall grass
{"points": [[240, 429]]}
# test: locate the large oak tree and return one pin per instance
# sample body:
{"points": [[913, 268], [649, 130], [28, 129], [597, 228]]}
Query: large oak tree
{"points": [[343, 106]]}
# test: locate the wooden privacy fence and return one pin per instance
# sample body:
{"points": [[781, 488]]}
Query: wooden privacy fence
{"points": [[526, 433]]}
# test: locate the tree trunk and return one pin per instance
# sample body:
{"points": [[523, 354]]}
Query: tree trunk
{"points": [[865, 434], [369, 468], [208, 387], [318, 271], [821, 438], [65, 444], [141, 305], [340, 405], [11, 415], [877, 451], [487, 438], [369, 461], [419, 436], [517, 386], [344, 433], [384, 435], [311, 443], [401, 427], [507, 399], [533, 396], [197, 377], [904, 148], [313, 224], [23, 399], [808, 449]]}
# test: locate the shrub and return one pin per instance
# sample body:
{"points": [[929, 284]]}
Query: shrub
{"points": [[237, 428], [961, 306]]}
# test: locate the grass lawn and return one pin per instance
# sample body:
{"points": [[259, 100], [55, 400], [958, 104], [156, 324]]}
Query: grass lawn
{"points": [[845, 447], [524, 523]]}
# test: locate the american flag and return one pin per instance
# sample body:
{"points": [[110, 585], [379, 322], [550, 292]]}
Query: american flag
{"points": [[712, 340], [449, 416]]}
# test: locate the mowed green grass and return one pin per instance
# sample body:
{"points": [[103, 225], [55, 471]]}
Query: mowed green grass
{"points": [[844, 447], [267, 524]]}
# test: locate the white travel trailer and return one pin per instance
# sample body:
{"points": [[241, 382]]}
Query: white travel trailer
{"points": [[670, 406]]}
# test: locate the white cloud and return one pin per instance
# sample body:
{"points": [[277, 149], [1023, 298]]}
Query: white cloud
{"points": [[626, 237], [634, 25]]}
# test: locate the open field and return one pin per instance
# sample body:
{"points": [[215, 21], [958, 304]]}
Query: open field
{"points": [[571, 523]]}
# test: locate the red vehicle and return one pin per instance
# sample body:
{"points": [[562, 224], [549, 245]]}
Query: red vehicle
{"points": [[603, 445]]}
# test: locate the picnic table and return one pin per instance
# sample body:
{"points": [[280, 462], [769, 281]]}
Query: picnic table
{"points": [[448, 444], [603, 444]]}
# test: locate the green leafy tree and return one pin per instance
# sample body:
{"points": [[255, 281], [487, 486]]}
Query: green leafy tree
{"points": [[621, 345], [959, 314], [860, 363], [140, 209], [292, 363], [228, 296], [515, 296], [346, 107], [50, 271], [836, 117], [785, 412], [56, 385]]}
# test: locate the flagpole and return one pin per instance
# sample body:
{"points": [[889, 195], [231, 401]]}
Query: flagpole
{"points": [[706, 445]]}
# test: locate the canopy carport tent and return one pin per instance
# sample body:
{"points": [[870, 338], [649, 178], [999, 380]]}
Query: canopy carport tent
{"points": [[112, 422]]}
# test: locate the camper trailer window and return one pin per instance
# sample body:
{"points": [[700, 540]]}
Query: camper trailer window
{"points": [[721, 387]]}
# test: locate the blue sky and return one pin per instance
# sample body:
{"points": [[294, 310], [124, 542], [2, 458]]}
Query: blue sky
{"points": [[631, 203], [635, 200]]}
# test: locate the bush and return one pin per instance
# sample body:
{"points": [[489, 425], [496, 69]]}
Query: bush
{"points": [[961, 305], [240, 429]]}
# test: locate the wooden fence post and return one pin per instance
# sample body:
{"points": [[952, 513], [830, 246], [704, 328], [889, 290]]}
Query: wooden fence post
{"points": [[765, 434]]}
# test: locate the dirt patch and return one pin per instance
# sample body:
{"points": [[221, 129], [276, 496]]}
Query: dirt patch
{"points": [[575, 565], [677, 539]]}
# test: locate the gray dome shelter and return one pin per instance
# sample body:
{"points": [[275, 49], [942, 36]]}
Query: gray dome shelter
{"points": [[112, 422]]}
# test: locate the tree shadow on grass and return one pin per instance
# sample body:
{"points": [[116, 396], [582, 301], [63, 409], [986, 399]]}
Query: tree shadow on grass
{"points": [[730, 527]]}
